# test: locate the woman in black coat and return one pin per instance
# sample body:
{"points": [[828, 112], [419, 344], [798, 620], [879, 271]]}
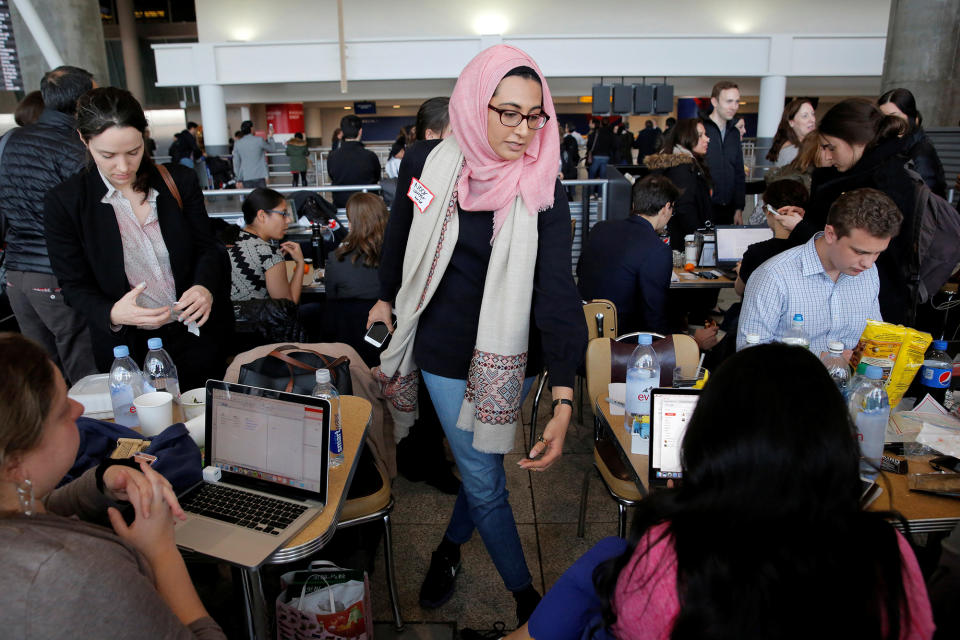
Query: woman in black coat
{"points": [[134, 253], [900, 103], [861, 147], [681, 159]]}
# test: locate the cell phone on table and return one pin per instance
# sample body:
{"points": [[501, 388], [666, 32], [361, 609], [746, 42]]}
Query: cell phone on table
{"points": [[377, 334], [945, 463]]}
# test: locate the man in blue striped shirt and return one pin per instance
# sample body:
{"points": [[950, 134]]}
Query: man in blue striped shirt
{"points": [[831, 279]]}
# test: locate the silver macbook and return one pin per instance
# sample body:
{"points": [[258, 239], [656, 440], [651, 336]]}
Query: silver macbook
{"points": [[271, 449], [732, 242]]}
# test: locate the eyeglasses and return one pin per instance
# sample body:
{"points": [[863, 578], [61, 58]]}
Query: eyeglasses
{"points": [[511, 118], [283, 212]]}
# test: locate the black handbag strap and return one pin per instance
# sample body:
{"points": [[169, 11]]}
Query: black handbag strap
{"points": [[280, 353]]}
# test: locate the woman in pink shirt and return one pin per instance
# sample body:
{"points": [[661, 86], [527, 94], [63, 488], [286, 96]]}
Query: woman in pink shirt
{"points": [[764, 537]]}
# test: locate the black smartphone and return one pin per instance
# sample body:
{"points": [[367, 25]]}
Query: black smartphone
{"points": [[377, 334], [707, 275], [945, 463]]}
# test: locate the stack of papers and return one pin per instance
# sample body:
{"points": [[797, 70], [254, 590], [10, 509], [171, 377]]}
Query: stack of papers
{"points": [[929, 423]]}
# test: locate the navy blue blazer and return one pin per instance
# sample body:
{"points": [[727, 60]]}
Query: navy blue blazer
{"points": [[626, 263]]}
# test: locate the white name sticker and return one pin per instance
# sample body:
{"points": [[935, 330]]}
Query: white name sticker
{"points": [[421, 196]]}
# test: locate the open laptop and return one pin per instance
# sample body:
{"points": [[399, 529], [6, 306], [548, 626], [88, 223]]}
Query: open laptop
{"points": [[733, 240], [670, 411], [272, 450]]}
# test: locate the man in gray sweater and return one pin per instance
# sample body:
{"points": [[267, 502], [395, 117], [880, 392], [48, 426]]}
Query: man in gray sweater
{"points": [[250, 158]]}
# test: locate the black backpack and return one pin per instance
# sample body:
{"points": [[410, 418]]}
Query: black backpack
{"points": [[570, 151], [936, 242], [174, 151]]}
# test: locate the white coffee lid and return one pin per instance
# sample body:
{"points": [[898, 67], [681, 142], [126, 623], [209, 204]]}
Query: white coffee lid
{"points": [[835, 345]]}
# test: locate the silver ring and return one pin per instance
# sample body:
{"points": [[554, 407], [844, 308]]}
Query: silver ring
{"points": [[540, 439]]}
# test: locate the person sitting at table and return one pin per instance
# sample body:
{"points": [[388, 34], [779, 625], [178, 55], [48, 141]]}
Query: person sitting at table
{"points": [[64, 573], [831, 279], [259, 271], [787, 197], [763, 538], [351, 280]]}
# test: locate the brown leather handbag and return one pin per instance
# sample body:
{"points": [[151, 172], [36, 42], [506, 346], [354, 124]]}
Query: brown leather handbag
{"points": [[293, 369]]}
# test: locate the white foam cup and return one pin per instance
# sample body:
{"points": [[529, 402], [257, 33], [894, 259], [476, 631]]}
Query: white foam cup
{"points": [[155, 411]]}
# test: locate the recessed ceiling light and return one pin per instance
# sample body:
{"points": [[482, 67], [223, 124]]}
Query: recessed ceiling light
{"points": [[396, 106], [348, 108]]}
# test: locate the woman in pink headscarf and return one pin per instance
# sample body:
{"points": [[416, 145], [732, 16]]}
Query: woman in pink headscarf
{"points": [[476, 266]]}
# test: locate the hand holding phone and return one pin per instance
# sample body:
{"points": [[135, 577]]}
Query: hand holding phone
{"points": [[377, 334]]}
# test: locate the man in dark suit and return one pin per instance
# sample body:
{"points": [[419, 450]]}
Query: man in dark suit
{"points": [[351, 163], [626, 262]]}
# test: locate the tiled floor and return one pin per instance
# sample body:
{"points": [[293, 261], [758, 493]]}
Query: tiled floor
{"points": [[545, 506]]}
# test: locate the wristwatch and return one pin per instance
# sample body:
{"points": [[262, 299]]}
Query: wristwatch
{"points": [[565, 401]]}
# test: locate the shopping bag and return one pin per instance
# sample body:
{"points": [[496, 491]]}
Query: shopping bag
{"points": [[324, 601]]}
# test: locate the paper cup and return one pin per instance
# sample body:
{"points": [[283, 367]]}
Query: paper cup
{"points": [[194, 403], [155, 411]]}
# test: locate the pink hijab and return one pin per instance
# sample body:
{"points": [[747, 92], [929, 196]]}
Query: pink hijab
{"points": [[488, 182]]}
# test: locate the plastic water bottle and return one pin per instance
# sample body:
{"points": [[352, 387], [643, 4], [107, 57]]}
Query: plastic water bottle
{"points": [[837, 365], [870, 409], [643, 374], [159, 372], [936, 371], [856, 380], [796, 335], [753, 339], [126, 383], [325, 389]]}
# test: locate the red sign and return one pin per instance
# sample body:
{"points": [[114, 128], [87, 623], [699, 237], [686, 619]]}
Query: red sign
{"points": [[285, 118]]}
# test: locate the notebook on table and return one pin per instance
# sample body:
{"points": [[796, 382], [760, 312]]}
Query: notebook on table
{"points": [[272, 450], [670, 411], [733, 240]]}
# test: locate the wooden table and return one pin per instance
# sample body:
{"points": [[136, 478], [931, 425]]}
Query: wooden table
{"points": [[312, 281], [355, 415], [924, 512], [723, 282]]}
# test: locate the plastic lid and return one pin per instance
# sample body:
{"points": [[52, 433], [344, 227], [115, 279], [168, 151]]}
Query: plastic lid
{"points": [[798, 317], [862, 368], [155, 343], [874, 372], [645, 338], [323, 375], [753, 338], [940, 345], [688, 238], [835, 345], [121, 351]]}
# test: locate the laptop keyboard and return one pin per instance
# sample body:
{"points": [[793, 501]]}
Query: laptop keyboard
{"points": [[250, 510]]}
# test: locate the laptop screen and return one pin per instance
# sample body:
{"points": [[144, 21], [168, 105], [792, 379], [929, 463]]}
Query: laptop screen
{"points": [[670, 410], [732, 241], [268, 436]]}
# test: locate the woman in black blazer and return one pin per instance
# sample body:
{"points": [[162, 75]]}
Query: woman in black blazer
{"points": [[134, 255]]}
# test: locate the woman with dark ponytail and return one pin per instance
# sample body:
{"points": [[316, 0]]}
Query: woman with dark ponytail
{"points": [[901, 103], [132, 246], [861, 147], [764, 537]]}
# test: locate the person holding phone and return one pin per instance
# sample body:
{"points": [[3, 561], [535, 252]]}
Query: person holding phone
{"points": [[484, 296]]}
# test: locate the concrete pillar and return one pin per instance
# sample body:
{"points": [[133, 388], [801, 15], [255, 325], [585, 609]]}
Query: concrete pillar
{"points": [[75, 27], [244, 113], [213, 111], [921, 55], [130, 45], [313, 125], [773, 92]]}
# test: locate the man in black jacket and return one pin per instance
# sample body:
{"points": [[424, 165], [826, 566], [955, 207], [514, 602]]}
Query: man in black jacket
{"points": [[725, 155], [37, 158], [351, 163]]}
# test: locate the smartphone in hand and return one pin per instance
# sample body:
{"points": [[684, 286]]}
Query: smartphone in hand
{"points": [[377, 334]]}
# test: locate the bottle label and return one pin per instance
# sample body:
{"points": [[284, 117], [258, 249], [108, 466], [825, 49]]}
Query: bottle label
{"points": [[336, 441], [938, 378]]}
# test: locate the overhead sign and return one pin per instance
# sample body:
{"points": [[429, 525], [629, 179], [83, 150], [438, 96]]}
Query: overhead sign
{"points": [[365, 108], [9, 60]]}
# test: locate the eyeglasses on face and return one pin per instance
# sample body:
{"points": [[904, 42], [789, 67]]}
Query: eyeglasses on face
{"points": [[283, 212], [511, 118]]}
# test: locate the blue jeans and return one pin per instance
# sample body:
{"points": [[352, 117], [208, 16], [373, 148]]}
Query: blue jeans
{"points": [[482, 501], [598, 169], [187, 162]]}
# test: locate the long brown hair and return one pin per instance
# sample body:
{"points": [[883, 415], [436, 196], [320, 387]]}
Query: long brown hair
{"points": [[785, 132], [26, 394], [859, 121], [367, 215]]}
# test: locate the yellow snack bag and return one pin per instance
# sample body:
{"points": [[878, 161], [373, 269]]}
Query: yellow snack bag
{"points": [[897, 350]]}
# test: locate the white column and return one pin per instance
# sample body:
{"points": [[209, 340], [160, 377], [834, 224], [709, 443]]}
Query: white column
{"points": [[131, 49], [213, 112], [244, 112], [773, 92]]}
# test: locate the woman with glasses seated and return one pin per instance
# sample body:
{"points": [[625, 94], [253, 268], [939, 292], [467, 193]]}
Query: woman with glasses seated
{"points": [[258, 267], [63, 566], [764, 537], [131, 245], [484, 297]]}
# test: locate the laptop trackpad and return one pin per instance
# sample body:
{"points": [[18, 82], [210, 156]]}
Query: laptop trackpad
{"points": [[225, 541]]}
